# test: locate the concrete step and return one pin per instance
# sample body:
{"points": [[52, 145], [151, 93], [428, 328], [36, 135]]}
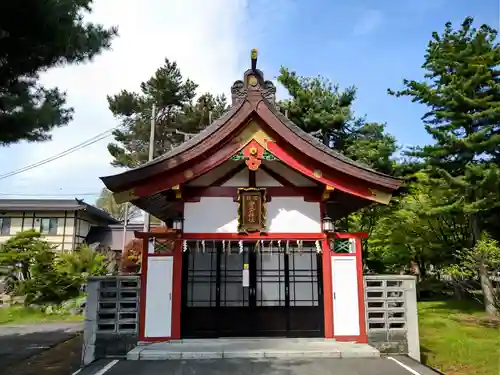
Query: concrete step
{"points": [[252, 348]]}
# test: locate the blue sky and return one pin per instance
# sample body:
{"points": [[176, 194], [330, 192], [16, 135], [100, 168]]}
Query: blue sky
{"points": [[370, 44]]}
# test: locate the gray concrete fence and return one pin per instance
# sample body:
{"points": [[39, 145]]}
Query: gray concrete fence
{"points": [[112, 315], [392, 315]]}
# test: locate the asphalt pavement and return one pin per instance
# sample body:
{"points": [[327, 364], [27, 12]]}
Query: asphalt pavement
{"points": [[323, 366], [24, 349], [20, 342]]}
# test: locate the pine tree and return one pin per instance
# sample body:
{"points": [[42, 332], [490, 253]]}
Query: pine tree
{"points": [[34, 37], [324, 110], [462, 92], [175, 110], [318, 106]]}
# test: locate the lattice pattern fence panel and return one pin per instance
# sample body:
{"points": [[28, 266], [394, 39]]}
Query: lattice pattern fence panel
{"points": [[118, 305], [111, 317], [344, 245], [386, 313]]}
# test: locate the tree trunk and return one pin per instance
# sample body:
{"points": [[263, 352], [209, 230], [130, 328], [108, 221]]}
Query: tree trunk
{"points": [[422, 269], [326, 139], [25, 270], [487, 288], [486, 284], [475, 230], [458, 290]]}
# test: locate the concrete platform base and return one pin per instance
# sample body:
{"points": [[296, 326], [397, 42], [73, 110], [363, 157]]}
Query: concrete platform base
{"points": [[251, 348]]}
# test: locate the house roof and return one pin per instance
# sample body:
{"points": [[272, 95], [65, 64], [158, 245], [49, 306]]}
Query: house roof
{"points": [[111, 236], [54, 205]]}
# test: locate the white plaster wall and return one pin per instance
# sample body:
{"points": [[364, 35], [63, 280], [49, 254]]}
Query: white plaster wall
{"points": [[262, 179], [211, 215], [240, 179], [209, 177], [289, 174], [220, 215], [293, 215]]}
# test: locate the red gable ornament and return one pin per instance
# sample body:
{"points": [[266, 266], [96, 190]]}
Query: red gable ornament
{"points": [[253, 153]]}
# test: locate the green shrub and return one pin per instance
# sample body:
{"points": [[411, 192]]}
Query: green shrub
{"points": [[43, 276]]}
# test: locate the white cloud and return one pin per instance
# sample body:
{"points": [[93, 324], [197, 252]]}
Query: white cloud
{"points": [[204, 37], [369, 21]]}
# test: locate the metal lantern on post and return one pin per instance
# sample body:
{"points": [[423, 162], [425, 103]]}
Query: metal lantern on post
{"points": [[327, 224], [178, 223]]}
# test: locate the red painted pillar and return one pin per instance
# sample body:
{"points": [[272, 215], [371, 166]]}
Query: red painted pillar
{"points": [[327, 281], [177, 292], [327, 289]]}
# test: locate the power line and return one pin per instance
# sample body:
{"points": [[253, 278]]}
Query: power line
{"points": [[70, 150], [77, 147], [48, 195]]}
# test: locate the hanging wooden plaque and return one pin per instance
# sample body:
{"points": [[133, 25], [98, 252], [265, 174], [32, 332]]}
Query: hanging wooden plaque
{"points": [[251, 210]]}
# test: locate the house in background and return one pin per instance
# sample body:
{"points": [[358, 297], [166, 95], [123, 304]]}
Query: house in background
{"points": [[118, 243], [64, 222], [112, 236]]}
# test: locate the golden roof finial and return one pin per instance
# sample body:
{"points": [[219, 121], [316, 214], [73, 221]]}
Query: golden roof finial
{"points": [[253, 56]]}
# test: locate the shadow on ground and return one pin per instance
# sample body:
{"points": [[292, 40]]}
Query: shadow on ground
{"points": [[39, 349], [466, 306]]}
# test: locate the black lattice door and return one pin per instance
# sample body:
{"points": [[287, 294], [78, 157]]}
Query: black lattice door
{"points": [[232, 293]]}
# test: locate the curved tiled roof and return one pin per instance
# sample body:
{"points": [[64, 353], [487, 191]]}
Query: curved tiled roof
{"points": [[315, 142], [262, 93], [141, 170], [198, 138]]}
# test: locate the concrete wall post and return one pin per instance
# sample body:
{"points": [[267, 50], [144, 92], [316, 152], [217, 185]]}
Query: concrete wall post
{"points": [[391, 314], [412, 318], [90, 321]]}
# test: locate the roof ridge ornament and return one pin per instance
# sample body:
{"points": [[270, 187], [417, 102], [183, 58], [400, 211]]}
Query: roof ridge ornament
{"points": [[254, 53], [253, 83]]}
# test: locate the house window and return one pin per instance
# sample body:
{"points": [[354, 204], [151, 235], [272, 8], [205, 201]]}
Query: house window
{"points": [[4, 226], [48, 226]]}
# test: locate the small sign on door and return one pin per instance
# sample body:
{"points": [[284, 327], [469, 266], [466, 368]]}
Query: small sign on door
{"points": [[246, 276]]}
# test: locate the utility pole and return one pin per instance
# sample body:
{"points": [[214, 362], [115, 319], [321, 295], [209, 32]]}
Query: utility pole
{"points": [[147, 217]]}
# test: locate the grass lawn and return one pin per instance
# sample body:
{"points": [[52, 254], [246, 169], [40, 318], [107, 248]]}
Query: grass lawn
{"points": [[457, 339], [21, 314]]}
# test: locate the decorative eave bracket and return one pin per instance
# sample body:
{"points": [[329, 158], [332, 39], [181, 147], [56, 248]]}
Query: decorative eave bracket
{"points": [[326, 192]]}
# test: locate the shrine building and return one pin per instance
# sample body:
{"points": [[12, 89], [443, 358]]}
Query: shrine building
{"points": [[252, 201]]}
